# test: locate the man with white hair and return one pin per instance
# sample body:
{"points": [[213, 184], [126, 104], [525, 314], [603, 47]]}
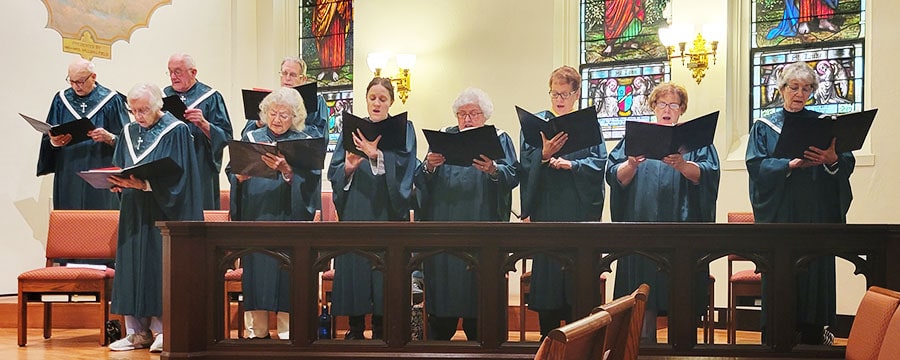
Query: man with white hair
{"points": [[85, 98], [293, 74], [210, 125]]}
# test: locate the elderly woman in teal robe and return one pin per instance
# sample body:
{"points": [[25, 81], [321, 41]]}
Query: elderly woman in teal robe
{"points": [[677, 188], [372, 188], [154, 135], [289, 196], [811, 189], [481, 191], [568, 187]]}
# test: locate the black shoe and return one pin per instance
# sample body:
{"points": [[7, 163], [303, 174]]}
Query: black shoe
{"points": [[350, 335], [267, 337]]}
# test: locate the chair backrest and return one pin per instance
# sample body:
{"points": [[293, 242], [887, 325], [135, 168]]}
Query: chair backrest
{"points": [[82, 234], [216, 215], [329, 213], [874, 314], [225, 199], [580, 340], [740, 217], [624, 334], [890, 345]]}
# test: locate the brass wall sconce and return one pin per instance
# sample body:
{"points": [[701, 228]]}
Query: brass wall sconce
{"points": [[699, 54], [405, 63]]}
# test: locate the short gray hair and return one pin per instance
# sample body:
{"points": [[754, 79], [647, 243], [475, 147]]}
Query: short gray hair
{"points": [[147, 91], [187, 59], [295, 60], [798, 71], [288, 97], [474, 96]]}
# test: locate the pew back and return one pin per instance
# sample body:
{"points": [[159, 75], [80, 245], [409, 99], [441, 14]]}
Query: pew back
{"points": [[624, 334]]}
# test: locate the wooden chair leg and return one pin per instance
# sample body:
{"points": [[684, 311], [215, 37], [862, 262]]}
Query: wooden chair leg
{"points": [[710, 328], [23, 319], [731, 318], [240, 317], [48, 320], [104, 316], [521, 311]]}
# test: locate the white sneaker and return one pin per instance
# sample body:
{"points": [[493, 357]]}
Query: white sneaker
{"points": [[131, 342], [157, 344]]}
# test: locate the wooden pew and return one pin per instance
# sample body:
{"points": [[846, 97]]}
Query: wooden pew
{"points": [[624, 334], [580, 340], [871, 323]]}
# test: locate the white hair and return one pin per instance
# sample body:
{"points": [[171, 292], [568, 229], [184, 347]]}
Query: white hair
{"points": [[798, 71], [288, 97], [474, 96], [297, 61], [149, 92], [187, 59]]}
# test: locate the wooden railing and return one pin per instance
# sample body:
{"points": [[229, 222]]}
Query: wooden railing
{"points": [[196, 254]]}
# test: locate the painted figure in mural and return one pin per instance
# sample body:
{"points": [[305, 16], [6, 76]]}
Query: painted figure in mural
{"points": [[622, 21], [833, 83], [641, 87], [605, 94], [798, 14], [330, 25], [773, 96]]}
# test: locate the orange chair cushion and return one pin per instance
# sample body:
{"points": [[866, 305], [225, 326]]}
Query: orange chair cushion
{"points": [[234, 275], [82, 234], [872, 318], [740, 217], [746, 276], [890, 346], [216, 215], [66, 273], [328, 275]]}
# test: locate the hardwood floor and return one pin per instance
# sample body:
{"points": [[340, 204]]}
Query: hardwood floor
{"points": [[81, 344]]}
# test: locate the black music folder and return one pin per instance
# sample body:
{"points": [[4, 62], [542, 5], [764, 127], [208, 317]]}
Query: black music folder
{"points": [[462, 147], [301, 153], [77, 128], [175, 106], [310, 97], [656, 141], [800, 132], [253, 97], [99, 178], [581, 126], [392, 131]]}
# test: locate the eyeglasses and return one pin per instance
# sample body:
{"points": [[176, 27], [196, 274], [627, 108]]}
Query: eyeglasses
{"points": [[474, 114], [284, 116], [662, 105], [176, 72], [78, 83], [563, 95], [805, 89], [289, 75], [140, 112]]}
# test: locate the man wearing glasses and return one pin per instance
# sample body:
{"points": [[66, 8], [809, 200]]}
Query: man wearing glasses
{"points": [[84, 99], [211, 127], [293, 74]]}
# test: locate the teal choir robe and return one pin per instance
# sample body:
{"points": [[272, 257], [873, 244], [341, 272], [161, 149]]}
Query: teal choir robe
{"points": [[266, 286], [316, 120], [208, 149], [366, 197], [559, 195], [659, 193], [818, 194], [137, 290], [461, 193], [107, 110]]}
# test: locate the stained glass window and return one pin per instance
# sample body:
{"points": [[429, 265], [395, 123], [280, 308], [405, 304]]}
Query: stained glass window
{"points": [[826, 34], [622, 59], [326, 45]]}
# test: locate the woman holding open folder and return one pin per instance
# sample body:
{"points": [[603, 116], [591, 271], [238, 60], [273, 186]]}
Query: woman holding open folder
{"points": [[376, 187], [288, 196], [559, 187], [678, 187], [811, 189], [478, 191]]}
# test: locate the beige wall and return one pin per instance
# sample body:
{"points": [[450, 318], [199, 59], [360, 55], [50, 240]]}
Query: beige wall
{"points": [[460, 43]]}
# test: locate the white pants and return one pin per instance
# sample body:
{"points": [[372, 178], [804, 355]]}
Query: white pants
{"points": [[257, 322], [145, 326]]}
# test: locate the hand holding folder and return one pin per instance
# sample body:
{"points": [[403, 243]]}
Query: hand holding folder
{"points": [[463, 147], [799, 133], [581, 126], [656, 141], [392, 131], [99, 178], [246, 157], [79, 129]]}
